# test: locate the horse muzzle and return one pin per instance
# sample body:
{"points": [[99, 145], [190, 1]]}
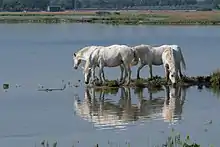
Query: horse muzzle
{"points": [[75, 67], [174, 85], [86, 82]]}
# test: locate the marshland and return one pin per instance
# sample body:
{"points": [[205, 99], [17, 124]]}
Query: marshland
{"points": [[35, 57]]}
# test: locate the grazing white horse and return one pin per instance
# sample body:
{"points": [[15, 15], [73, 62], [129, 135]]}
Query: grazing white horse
{"points": [[111, 56], [172, 56], [152, 55], [84, 53]]}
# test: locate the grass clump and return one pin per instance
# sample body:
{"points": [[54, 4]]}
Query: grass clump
{"points": [[107, 83], [6, 86], [215, 79], [112, 83], [176, 141], [172, 141], [140, 83]]}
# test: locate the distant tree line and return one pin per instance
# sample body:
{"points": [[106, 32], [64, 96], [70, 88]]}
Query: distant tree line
{"points": [[18, 5]]}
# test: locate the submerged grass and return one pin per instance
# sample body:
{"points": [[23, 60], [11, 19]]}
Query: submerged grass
{"points": [[123, 17], [175, 140]]}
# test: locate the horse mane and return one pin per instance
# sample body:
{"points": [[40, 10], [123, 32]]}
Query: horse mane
{"points": [[88, 61], [171, 58], [80, 52]]}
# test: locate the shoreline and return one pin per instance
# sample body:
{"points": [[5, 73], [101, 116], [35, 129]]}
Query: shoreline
{"points": [[116, 18]]}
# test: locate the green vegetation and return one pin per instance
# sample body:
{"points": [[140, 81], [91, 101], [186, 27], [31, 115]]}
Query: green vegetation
{"points": [[215, 82], [116, 18], [215, 79], [5, 86], [175, 140]]}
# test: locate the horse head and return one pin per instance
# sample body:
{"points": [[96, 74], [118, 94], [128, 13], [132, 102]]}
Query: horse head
{"points": [[173, 76], [171, 65], [76, 61]]}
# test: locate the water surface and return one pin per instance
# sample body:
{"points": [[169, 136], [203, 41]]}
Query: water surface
{"points": [[33, 54]]}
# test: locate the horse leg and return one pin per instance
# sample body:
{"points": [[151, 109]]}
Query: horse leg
{"points": [[102, 70], [180, 72], [167, 72], [100, 74], [150, 69], [93, 75], [122, 71], [103, 74], [138, 70], [128, 75]]}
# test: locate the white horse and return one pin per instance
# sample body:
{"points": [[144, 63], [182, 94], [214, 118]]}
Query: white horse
{"points": [[84, 53], [172, 56], [111, 56], [151, 55]]}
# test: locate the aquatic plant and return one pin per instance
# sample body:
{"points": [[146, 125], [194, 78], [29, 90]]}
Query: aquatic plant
{"points": [[175, 140], [140, 83], [5, 86], [215, 79]]}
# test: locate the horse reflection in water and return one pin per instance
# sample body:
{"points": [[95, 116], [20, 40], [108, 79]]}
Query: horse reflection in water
{"points": [[105, 114], [173, 104], [101, 113], [168, 108]]}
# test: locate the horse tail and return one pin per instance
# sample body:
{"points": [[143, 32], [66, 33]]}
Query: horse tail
{"points": [[182, 59]]}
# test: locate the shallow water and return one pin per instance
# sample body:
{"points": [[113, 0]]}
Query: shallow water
{"points": [[33, 54]]}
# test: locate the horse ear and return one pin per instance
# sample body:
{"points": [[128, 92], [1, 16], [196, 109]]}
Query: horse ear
{"points": [[74, 54]]}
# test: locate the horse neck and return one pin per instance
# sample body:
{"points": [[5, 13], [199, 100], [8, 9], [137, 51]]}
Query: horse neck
{"points": [[92, 59], [172, 63], [84, 53]]}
